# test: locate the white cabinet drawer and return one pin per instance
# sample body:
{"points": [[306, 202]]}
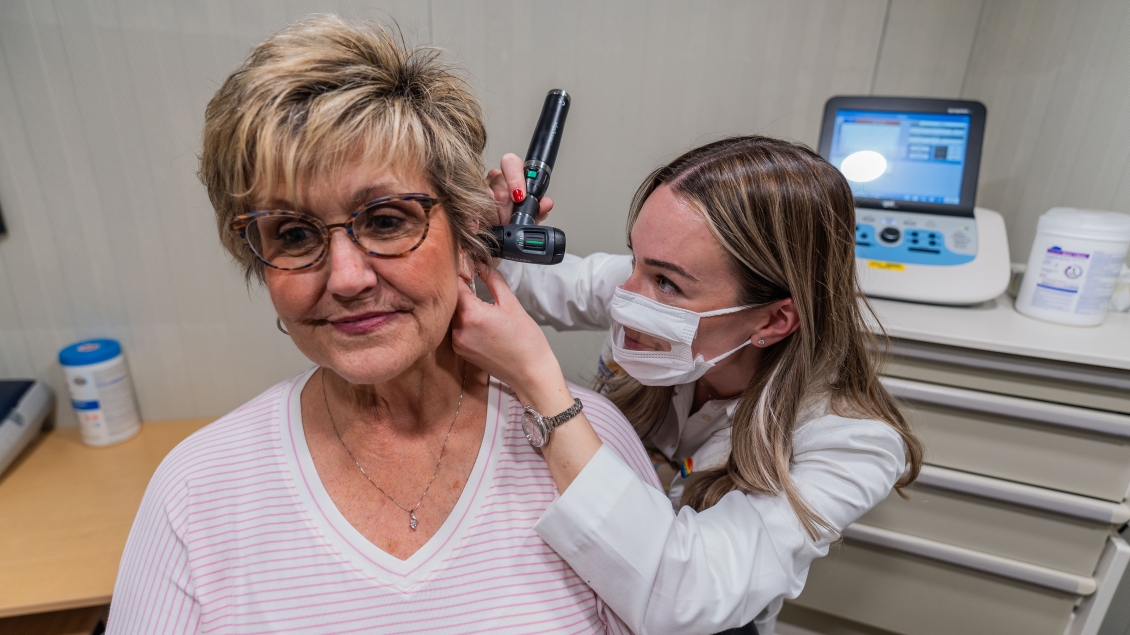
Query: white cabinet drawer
{"points": [[1013, 531], [916, 596], [914, 586], [1077, 450], [1045, 380]]}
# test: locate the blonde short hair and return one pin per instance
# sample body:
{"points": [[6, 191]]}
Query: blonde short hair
{"points": [[327, 92]]}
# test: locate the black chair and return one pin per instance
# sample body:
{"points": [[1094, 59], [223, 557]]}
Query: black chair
{"points": [[748, 629]]}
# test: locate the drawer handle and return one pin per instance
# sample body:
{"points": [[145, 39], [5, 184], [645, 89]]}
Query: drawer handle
{"points": [[1053, 501], [970, 559], [1054, 414], [1030, 366]]}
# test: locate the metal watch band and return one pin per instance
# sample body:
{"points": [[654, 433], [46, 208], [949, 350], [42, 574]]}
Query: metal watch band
{"points": [[556, 420]]}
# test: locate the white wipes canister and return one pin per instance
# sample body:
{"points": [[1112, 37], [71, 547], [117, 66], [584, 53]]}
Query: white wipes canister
{"points": [[1120, 301], [1074, 265], [101, 391]]}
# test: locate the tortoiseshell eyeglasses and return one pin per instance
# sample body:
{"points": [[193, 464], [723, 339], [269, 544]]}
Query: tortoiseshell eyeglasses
{"points": [[387, 227]]}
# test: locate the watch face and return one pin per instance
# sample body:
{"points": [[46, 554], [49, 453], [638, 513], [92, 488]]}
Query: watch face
{"points": [[535, 433]]}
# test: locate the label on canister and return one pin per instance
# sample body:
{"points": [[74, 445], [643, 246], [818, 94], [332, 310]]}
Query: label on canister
{"points": [[1075, 280], [102, 396], [1120, 301]]}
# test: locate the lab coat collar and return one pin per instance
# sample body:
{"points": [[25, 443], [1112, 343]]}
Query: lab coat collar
{"points": [[673, 436]]}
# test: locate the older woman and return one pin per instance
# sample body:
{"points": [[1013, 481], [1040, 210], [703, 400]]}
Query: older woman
{"points": [[390, 488]]}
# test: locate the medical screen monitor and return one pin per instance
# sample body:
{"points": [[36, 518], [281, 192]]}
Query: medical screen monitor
{"points": [[918, 155]]}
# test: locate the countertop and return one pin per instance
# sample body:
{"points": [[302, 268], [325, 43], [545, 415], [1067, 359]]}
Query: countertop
{"points": [[996, 326], [65, 513]]}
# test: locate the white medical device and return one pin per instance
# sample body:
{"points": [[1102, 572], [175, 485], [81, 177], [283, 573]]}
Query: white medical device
{"points": [[24, 406], [912, 165]]}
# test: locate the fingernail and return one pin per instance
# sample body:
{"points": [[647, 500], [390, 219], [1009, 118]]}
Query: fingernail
{"points": [[519, 195]]}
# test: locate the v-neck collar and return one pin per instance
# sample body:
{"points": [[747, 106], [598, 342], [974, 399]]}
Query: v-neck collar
{"points": [[350, 542]]}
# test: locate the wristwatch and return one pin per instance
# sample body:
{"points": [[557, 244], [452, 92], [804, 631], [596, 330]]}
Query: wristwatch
{"points": [[537, 427]]}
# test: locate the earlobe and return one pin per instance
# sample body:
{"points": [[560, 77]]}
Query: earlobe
{"points": [[466, 267], [468, 271]]}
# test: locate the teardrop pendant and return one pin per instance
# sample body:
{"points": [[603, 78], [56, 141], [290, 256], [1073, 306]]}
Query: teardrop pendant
{"points": [[412, 523]]}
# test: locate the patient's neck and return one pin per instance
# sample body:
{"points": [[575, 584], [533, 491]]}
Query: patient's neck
{"points": [[404, 437], [419, 401]]}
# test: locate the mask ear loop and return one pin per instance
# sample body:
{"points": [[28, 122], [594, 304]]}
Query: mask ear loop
{"points": [[736, 309]]}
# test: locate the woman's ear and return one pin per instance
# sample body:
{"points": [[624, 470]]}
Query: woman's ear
{"points": [[778, 321], [467, 268]]}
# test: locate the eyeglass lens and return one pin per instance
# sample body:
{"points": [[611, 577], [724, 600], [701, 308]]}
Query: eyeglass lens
{"points": [[291, 242]]}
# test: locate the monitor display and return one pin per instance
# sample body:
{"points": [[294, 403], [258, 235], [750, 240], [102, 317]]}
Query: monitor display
{"points": [[913, 157]]}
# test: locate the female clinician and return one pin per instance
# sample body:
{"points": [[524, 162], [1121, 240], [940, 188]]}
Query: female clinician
{"points": [[738, 349]]}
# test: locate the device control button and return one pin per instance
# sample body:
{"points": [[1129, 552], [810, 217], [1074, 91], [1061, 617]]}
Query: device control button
{"points": [[889, 235]]}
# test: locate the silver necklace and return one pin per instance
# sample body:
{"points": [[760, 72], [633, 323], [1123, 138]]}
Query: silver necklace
{"points": [[412, 522]]}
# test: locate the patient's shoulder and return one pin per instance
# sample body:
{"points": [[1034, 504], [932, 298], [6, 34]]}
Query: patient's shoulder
{"points": [[616, 432], [242, 441]]}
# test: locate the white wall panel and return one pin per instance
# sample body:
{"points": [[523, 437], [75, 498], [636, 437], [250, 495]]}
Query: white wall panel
{"points": [[650, 80], [926, 47], [101, 104], [1055, 76], [110, 233]]}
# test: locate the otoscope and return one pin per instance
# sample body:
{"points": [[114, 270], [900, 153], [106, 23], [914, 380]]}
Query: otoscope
{"points": [[523, 240]]}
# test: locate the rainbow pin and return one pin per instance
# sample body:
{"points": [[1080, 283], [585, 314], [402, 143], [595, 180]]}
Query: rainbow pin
{"points": [[686, 467]]}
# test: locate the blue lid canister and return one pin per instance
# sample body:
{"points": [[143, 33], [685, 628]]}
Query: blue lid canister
{"points": [[101, 391]]}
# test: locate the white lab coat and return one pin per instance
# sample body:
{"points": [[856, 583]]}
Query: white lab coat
{"points": [[696, 572]]}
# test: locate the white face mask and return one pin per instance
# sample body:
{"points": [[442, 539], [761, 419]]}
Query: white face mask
{"points": [[672, 324]]}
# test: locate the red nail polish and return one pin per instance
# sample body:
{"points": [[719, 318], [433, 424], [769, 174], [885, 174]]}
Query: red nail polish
{"points": [[519, 195]]}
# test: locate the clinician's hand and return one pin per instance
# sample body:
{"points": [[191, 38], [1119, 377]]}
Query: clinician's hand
{"points": [[503, 340], [506, 181]]}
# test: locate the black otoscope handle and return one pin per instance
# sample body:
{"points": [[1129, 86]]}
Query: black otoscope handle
{"points": [[541, 245]]}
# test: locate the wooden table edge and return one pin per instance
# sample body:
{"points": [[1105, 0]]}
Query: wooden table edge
{"points": [[58, 605]]}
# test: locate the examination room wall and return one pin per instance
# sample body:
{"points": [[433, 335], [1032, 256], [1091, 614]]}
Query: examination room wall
{"points": [[101, 104]]}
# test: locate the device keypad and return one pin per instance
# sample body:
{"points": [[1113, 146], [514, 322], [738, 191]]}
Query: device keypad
{"points": [[913, 238], [925, 241]]}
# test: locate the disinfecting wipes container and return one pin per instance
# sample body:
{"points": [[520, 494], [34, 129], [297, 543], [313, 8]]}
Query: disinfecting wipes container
{"points": [[1074, 265], [1120, 301], [101, 391]]}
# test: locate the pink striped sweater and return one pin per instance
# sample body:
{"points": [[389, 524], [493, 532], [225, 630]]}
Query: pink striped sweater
{"points": [[236, 534]]}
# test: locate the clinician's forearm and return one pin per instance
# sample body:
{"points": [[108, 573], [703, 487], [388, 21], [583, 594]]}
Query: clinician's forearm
{"points": [[570, 449], [708, 571], [662, 573], [573, 443], [571, 296]]}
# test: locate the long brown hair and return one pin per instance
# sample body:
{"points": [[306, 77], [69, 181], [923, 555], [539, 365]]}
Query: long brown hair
{"points": [[786, 217]]}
